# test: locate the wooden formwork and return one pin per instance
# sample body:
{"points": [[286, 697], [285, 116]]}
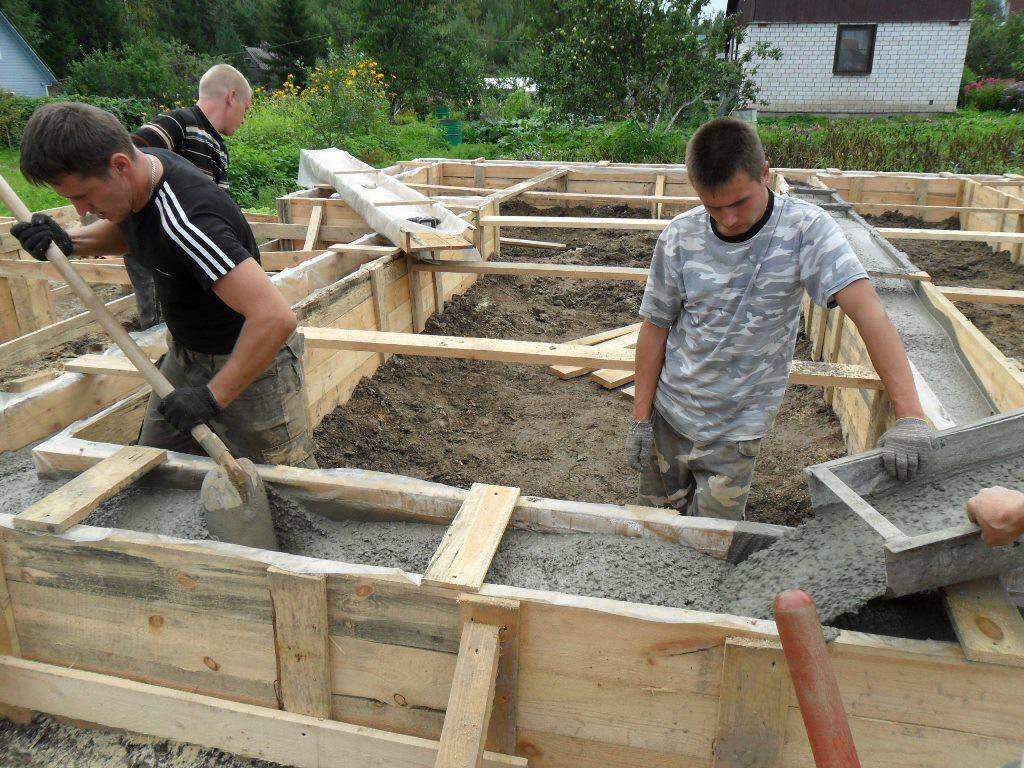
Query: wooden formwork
{"points": [[311, 662]]}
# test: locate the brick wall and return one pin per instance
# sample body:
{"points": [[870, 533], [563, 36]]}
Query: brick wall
{"points": [[916, 68]]}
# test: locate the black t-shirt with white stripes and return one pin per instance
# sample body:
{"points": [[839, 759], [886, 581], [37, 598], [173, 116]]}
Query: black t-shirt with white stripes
{"points": [[188, 132], [189, 235]]}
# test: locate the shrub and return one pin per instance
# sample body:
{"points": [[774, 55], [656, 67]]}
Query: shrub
{"points": [[986, 94], [345, 96], [265, 151], [16, 110], [629, 142]]}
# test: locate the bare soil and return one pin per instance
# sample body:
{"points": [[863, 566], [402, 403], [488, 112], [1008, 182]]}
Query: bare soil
{"points": [[461, 421], [974, 265]]}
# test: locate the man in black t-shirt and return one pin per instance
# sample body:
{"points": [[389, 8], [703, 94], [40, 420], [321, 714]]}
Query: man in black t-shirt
{"points": [[233, 356], [195, 133]]}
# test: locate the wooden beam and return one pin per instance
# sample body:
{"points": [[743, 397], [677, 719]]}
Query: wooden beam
{"points": [[101, 365], [931, 208], [576, 222], [316, 217], [328, 232], [902, 233], [243, 729], [515, 190], [416, 295], [583, 197], [107, 274], [534, 269], [366, 249], [301, 641], [659, 191], [464, 555], [29, 381], [982, 295], [275, 261], [504, 614], [72, 502], [987, 623], [32, 345], [469, 707], [433, 241], [10, 645], [467, 348], [518, 242], [918, 277], [753, 705]]}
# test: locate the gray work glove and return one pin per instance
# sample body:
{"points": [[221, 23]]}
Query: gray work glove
{"points": [[36, 235], [639, 443], [188, 407], [906, 447]]}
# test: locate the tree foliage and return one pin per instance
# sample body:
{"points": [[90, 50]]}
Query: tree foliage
{"points": [[650, 60], [996, 45]]}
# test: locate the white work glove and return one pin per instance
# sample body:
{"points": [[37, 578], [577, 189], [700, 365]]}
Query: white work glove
{"points": [[639, 443], [906, 447]]}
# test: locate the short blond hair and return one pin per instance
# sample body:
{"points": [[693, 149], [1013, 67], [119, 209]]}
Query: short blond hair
{"points": [[222, 79]]}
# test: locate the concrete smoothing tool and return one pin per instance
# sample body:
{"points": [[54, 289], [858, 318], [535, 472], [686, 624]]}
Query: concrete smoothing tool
{"points": [[233, 497]]}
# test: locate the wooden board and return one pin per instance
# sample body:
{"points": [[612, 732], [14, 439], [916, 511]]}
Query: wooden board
{"points": [[528, 269], [752, 706], [982, 295], [107, 274], [244, 729], [72, 503], [464, 555], [469, 707], [576, 222], [902, 233], [823, 374], [621, 341], [517, 189], [518, 242], [301, 641], [987, 623]]}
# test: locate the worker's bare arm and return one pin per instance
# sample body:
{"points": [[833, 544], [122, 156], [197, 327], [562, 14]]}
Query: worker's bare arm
{"points": [[268, 322], [101, 238], [862, 305], [650, 355], [1000, 514]]}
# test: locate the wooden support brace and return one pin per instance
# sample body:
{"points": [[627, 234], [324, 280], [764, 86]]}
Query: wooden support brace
{"points": [[469, 707], [379, 296], [987, 623], [72, 502], [464, 555], [515, 190], [819, 324], [659, 190], [881, 407], [534, 269], [316, 217], [275, 261], [982, 295], [415, 295], [519, 242], [10, 646], [753, 705], [833, 346], [504, 614], [301, 628]]}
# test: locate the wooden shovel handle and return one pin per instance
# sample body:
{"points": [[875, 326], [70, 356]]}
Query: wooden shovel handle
{"points": [[203, 435]]}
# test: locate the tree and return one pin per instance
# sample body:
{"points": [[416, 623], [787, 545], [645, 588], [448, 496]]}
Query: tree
{"points": [[294, 37], [649, 60], [416, 46], [996, 45]]}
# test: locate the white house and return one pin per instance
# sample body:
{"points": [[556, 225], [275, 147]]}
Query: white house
{"points": [[858, 57]]}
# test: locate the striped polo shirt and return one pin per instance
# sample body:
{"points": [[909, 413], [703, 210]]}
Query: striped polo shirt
{"points": [[188, 133], [190, 235]]}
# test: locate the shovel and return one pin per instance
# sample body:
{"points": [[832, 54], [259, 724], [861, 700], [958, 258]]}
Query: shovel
{"points": [[233, 498]]}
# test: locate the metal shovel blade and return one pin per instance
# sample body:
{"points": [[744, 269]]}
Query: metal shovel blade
{"points": [[233, 519]]}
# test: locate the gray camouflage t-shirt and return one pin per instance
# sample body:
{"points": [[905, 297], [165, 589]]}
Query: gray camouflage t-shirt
{"points": [[734, 311]]}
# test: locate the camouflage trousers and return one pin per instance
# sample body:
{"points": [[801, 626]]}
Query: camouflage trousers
{"points": [[710, 480], [267, 423]]}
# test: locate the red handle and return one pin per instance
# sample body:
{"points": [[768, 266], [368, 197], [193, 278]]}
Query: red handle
{"points": [[814, 680]]}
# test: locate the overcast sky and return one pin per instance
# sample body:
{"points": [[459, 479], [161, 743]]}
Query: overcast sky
{"points": [[715, 6]]}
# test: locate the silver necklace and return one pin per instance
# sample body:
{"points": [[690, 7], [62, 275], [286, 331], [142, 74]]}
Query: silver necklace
{"points": [[152, 176]]}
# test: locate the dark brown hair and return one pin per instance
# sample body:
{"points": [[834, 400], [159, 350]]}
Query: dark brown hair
{"points": [[720, 149], [70, 137]]}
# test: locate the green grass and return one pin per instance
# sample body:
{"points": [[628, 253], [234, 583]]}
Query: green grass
{"points": [[36, 198]]}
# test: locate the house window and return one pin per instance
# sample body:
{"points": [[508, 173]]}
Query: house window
{"points": [[855, 49]]}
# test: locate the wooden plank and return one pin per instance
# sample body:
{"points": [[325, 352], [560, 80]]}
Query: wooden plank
{"points": [[379, 296], [515, 190], [625, 340], [987, 623], [275, 261], [71, 503], [534, 269], [469, 707], [464, 555], [467, 348], [316, 217], [920, 277], [243, 729], [101, 365], [301, 641], [833, 346], [10, 646], [659, 190], [982, 295], [328, 232], [504, 614], [365, 249], [107, 274], [753, 705], [415, 295], [819, 324], [583, 197], [518, 242], [902, 233], [433, 241], [576, 222]]}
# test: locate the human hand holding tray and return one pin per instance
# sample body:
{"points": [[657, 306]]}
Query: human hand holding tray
{"points": [[922, 524]]}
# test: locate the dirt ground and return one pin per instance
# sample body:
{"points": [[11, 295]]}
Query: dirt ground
{"points": [[974, 265], [460, 421]]}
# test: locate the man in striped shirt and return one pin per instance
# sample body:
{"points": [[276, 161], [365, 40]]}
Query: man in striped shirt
{"points": [[233, 356], [196, 134]]}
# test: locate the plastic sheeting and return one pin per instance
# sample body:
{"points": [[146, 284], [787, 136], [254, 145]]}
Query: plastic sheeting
{"points": [[364, 191]]}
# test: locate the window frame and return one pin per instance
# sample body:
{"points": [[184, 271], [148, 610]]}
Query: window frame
{"points": [[840, 28]]}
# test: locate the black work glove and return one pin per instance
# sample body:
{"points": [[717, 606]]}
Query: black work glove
{"points": [[187, 407], [36, 235]]}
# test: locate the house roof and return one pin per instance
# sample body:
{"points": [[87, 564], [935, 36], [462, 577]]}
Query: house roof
{"points": [[31, 51], [854, 11]]}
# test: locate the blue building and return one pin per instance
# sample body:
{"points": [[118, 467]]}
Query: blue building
{"points": [[21, 70]]}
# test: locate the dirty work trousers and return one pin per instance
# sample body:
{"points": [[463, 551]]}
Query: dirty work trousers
{"points": [[710, 480], [266, 423], [145, 293]]}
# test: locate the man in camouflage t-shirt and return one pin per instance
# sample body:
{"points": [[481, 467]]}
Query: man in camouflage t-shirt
{"points": [[721, 313]]}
